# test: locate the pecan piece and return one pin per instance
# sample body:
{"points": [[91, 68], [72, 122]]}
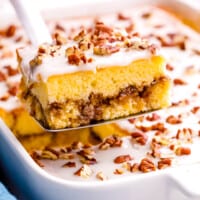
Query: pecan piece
{"points": [[36, 61], [146, 15], [146, 165], [11, 31], [101, 176], [11, 71], [87, 156], [169, 67], [195, 109], [164, 162], [139, 137], [178, 81], [101, 27], [181, 151], [122, 158], [2, 76], [153, 117], [105, 50], [121, 16], [13, 90], [35, 156], [69, 164], [118, 171], [85, 171], [173, 120]]}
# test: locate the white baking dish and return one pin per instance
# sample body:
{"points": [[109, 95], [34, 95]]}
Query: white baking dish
{"points": [[33, 183]]}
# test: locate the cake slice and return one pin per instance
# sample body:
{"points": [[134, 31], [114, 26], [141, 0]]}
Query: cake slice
{"points": [[101, 74]]}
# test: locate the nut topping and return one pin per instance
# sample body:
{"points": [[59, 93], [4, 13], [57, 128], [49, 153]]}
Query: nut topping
{"points": [[122, 158], [69, 164], [105, 50], [181, 151], [85, 171], [164, 162], [139, 137], [146, 165], [101, 176]]}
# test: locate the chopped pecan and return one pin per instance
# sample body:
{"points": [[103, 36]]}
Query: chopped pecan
{"points": [[153, 49], [121, 16], [10, 32], [84, 44], [146, 165], [130, 27], [75, 56], [164, 162], [195, 109], [80, 36], [36, 61], [59, 27], [5, 97], [19, 39], [60, 39], [169, 67], [76, 145], [105, 50], [69, 164], [135, 167], [155, 148], [183, 102], [112, 141], [87, 156], [178, 81], [101, 27], [196, 51], [155, 127], [173, 40], [36, 157], [153, 117], [139, 137], [173, 120], [47, 154], [146, 15], [132, 121], [131, 168], [101, 176], [181, 151], [11, 71], [122, 158], [118, 171], [2, 76], [42, 50], [85, 171], [13, 90], [184, 134], [67, 156]]}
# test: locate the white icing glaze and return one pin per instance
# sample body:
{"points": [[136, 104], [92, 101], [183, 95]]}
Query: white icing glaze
{"points": [[59, 65]]}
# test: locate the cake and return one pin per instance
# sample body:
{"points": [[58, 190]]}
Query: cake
{"points": [[101, 74], [12, 111]]}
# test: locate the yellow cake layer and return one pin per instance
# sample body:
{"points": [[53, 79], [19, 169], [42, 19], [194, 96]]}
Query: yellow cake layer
{"points": [[20, 122], [90, 136], [107, 81]]}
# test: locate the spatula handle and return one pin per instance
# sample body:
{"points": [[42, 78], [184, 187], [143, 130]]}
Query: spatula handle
{"points": [[32, 21]]}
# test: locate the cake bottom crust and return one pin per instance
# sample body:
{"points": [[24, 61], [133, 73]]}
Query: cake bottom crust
{"points": [[97, 108]]}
